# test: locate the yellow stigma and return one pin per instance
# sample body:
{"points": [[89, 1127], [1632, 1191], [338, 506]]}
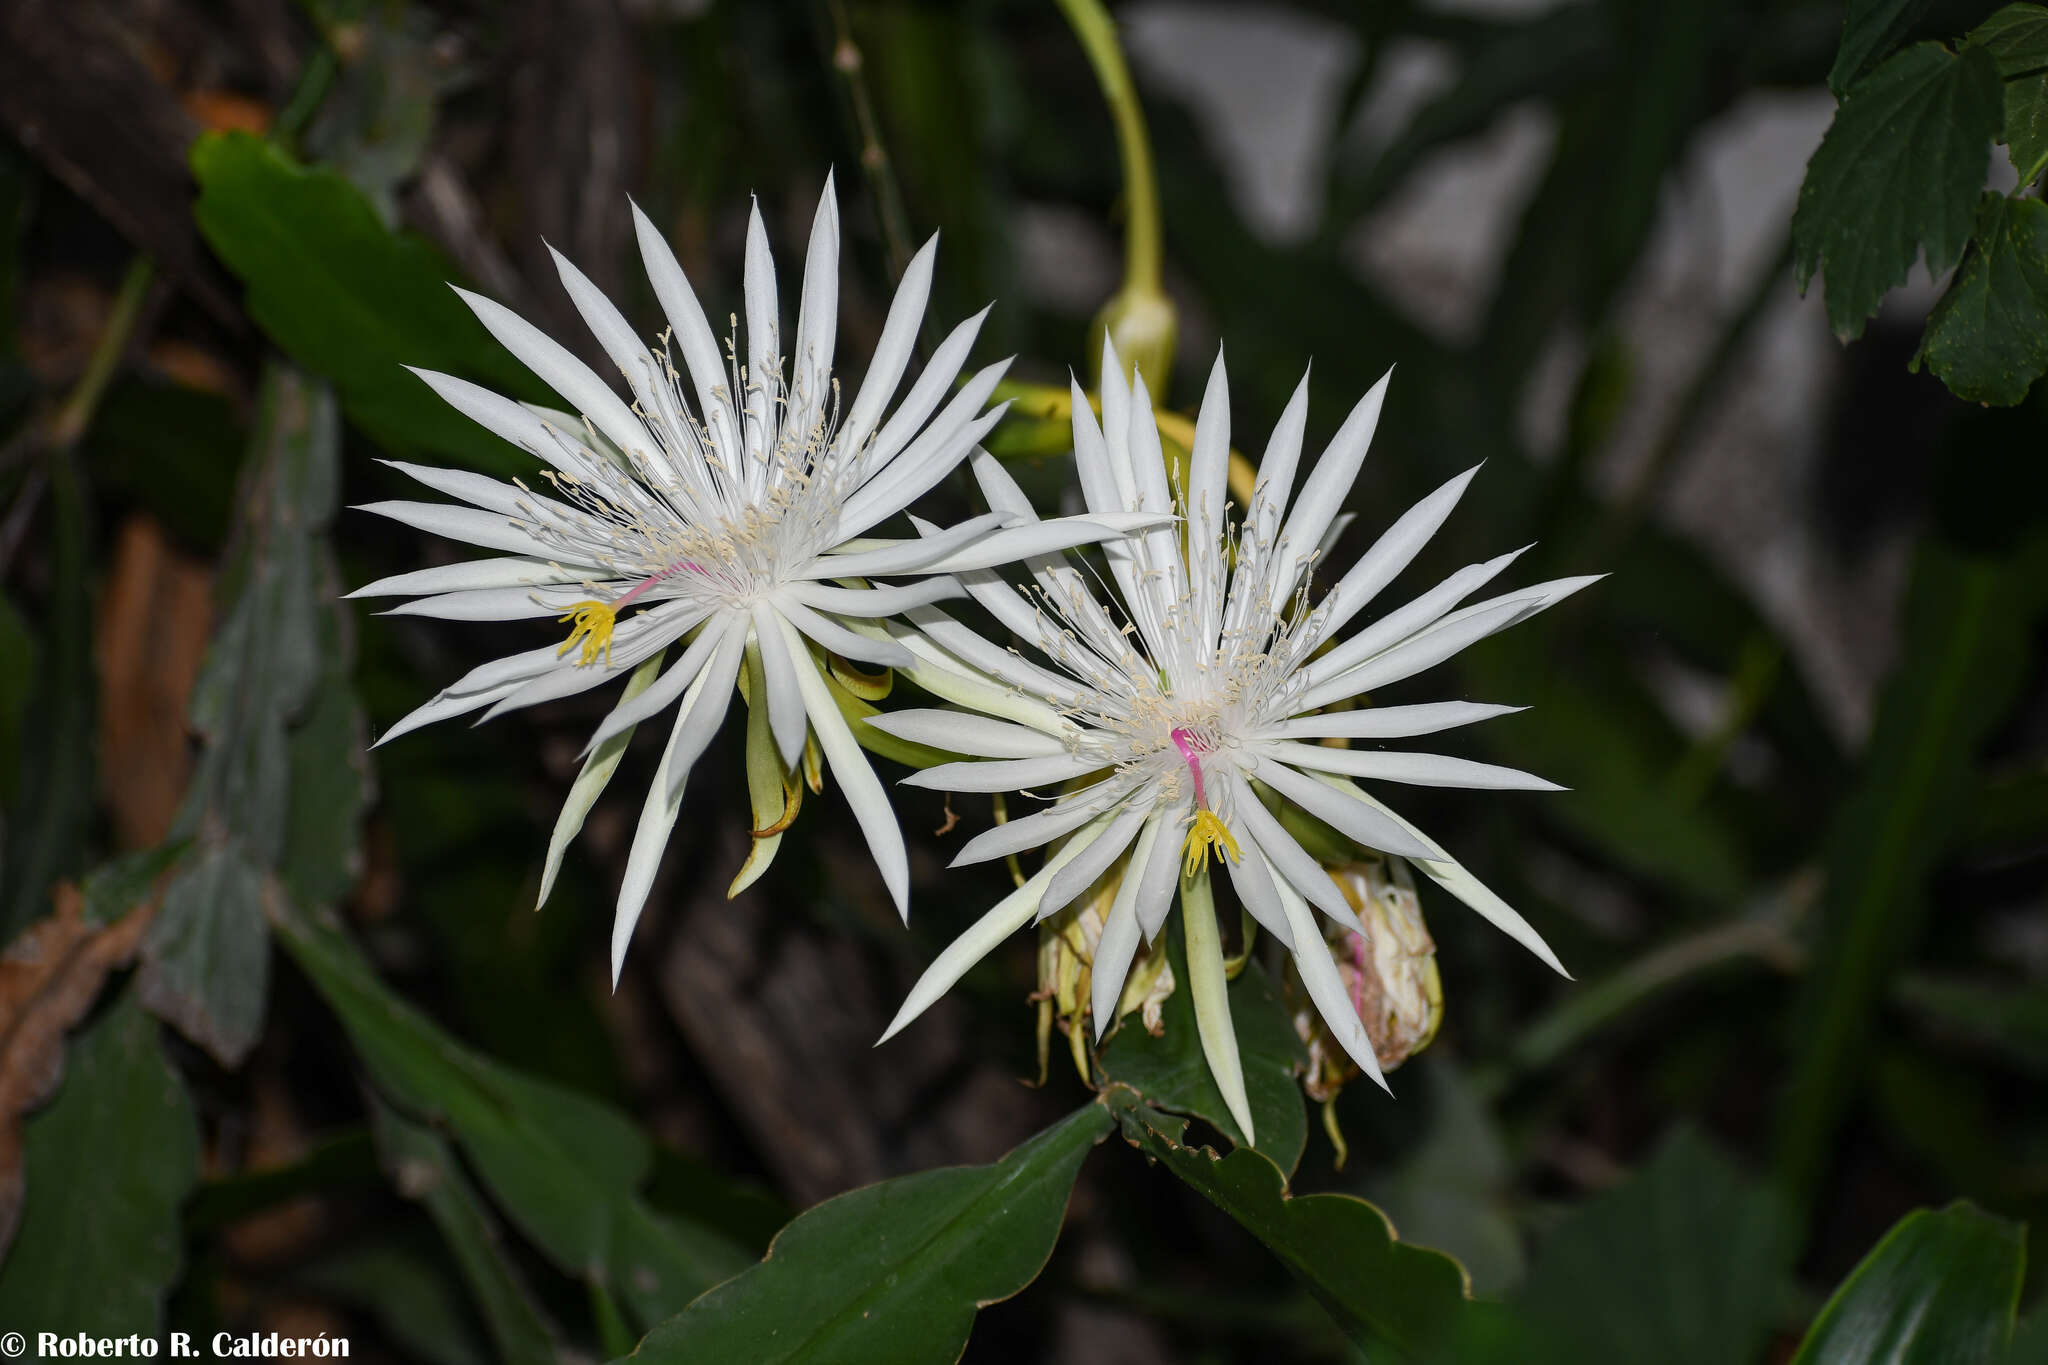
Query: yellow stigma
{"points": [[594, 622], [1205, 833]]}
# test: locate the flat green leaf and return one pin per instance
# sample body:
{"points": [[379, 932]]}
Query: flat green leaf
{"points": [[1172, 1074], [106, 1165], [1385, 1294], [1940, 1289], [1870, 30], [352, 300], [1896, 177], [563, 1166], [207, 956], [1682, 1265], [405, 1286], [279, 783], [2018, 37], [425, 1169], [120, 884], [892, 1273], [1987, 337], [1963, 655]]}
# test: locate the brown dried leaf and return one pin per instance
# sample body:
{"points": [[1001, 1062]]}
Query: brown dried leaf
{"points": [[154, 617], [49, 978]]}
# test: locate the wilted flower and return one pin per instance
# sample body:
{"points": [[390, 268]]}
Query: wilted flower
{"points": [[728, 503], [1388, 971], [1181, 717], [1067, 945]]}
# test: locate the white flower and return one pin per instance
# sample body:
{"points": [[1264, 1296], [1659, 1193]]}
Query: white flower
{"points": [[724, 504], [1174, 716]]}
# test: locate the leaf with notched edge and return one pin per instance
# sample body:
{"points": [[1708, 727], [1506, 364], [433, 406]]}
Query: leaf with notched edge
{"points": [[1896, 177], [2017, 36], [1987, 337]]}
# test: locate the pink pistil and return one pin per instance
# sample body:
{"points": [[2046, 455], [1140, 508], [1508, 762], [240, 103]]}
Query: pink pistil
{"points": [[649, 582], [1182, 740]]}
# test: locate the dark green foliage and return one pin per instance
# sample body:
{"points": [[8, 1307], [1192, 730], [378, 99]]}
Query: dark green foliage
{"points": [[892, 1273], [1988, 336], [1940, 1289], [1896, 178], [107, 1164]]}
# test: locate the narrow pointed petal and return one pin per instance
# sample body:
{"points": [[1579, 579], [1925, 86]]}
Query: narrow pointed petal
{"points": [[967, 732], [561, 371], [1254, 882], [1394, 551], [785, 698], [1322, 496], [644, 702], [850, 769], [1121, 932], [837, 637], [1004, 775], [1292, 862], [477, 527], [1035, 830], [817, 318], [1421, 770], [1325, 986], [692, 332], [1390, 722], [1080, 873], [893, 350], [473, 575], [590, 783], [1352, 818], [1008, 915]]}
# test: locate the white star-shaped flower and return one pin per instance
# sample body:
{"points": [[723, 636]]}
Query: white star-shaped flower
{"points": [[726, 505], [1174, 716]]}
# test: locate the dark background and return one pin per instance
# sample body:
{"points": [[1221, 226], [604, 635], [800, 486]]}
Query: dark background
{"points": [[1799, 878]]}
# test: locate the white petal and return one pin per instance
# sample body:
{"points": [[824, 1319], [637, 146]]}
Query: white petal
{"points": [[1408, 619], [785, 697], [850, 768], [1415, 654], [1389, 722], [904, 556], [1254, 883], [1004, 775], [1008, 915], [598, 766], [966, 732], [817, 318], [1160, 877], [1451, 875], [837, 638], [563, 372], [500, 416], [1350, 817], [1080, 872], [1322, 496], [1392, 552], [692, 333], [893, 351], [496, 604], [474, 574], [1208, 990], [696, 721], [631, 710], [1421, 770], [1121, 931], [875, 603], [764, 337], [1291, 861], [923, 398], [1325, 986], [1023, 542], [487, 529], [620, 342], [1036, 829]]}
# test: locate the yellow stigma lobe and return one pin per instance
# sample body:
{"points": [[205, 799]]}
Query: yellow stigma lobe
{"points": [[1205, 833], [594, 622]]}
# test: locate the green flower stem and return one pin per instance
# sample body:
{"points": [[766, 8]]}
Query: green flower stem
{"points": [[72, 419], [875, 163], [1208, 990], [1092, 25]]}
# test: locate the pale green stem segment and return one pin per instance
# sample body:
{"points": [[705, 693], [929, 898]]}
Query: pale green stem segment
{"points": [[1208, 989], [590, 783], [768, 789], [1097, 31]]}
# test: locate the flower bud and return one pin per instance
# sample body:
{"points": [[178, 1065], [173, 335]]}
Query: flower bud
{"points": [[1143, 326], [1389, 972]]}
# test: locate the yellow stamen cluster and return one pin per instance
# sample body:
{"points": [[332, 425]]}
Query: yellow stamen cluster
{"points": [[594, 622], [1205, 833]]}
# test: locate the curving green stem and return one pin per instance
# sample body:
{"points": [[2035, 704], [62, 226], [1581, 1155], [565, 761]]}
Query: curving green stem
{"points": [[1092, 25]]}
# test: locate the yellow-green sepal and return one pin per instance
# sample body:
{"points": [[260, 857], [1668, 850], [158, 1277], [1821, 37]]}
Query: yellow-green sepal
{"points": [[774, 792]]}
